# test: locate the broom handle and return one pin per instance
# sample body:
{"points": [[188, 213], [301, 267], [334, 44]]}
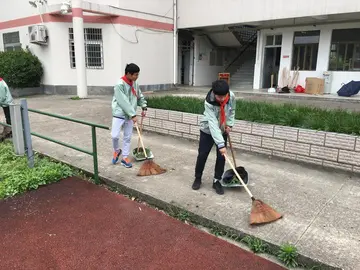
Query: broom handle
{"points": [[232, 150], [141, 129], [238, 176], [141, 140]]}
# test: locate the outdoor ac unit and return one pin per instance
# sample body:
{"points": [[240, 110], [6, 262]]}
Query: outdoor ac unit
{"points": [[38, 34]]}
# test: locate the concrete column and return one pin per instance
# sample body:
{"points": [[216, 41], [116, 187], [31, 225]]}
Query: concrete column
{"points": [[78, 26], [176, 43], [17, 129], [258, 61]]}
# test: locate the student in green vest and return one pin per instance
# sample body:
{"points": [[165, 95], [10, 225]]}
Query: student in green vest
{"points": [[127, 96], [5, 100], [217, 122]]}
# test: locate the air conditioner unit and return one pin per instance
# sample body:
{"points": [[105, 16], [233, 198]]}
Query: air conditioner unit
{"points": [[38, 34]]}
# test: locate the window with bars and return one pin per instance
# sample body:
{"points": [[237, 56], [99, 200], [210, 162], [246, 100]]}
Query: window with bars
{"points": [[11, 41], [305, 50], [345, 50], [94, 57]]}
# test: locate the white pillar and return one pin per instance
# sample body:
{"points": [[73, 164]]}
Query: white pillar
{"points": [[176, 44], [17, 129], [78, 26]]}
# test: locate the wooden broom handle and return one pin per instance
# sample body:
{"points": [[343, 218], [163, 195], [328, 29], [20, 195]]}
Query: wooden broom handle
{"points": [[141, 130], [141, 140], [238, 176], [232, 150]]}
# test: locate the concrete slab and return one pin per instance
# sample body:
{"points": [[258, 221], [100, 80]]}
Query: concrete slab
{"points": [[318, 206]]}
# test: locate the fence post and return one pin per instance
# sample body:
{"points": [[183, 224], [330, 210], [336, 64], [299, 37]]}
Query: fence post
{"points": [[95, 157], [27, 133], [17, 129]]}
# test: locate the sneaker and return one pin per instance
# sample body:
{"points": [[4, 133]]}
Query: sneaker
{"points": [[218, 187], [116, 157], [196, 185], [126, 163]]}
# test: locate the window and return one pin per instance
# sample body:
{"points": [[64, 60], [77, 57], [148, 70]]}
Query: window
{"points": [[94, 58], [273, 40], [305, 50], [12, 41], [345, 50]]}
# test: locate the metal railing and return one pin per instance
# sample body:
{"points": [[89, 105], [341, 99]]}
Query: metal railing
{"points": [[25, 126], [251, 42], [93, 126]]}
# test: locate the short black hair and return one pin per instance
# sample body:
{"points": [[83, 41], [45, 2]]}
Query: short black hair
{"points": [[132, 68], [220, 87]]}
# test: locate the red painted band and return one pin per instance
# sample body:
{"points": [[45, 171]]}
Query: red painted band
{"points": [[57, 18], [77, 12]]}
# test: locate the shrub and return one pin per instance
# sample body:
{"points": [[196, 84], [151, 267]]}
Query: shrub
{"points": [[20, 69]]}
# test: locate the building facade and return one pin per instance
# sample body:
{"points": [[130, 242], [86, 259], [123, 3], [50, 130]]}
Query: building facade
{"points": [[254, 39], [251, 40], [116, 32]]}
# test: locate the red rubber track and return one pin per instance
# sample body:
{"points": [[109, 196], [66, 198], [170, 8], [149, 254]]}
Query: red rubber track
{"points": [[74, 224]]}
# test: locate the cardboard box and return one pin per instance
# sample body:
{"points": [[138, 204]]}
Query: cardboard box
{"points": [[314, 86], [225, 77]]}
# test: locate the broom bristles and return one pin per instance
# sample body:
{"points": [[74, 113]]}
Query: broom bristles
{"points": [[261, 213], [149, 167]]}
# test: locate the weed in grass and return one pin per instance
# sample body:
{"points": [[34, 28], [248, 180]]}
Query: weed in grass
{"points": [[288, 255], [18, 178], [75, 98], [218, 232], [180, 215], [255, 244]]}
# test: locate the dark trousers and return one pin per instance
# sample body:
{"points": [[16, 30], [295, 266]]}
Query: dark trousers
{"points": [[7, 115], [205, 145]]}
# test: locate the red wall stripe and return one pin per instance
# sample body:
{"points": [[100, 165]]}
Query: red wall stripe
{"points": [[87, 19], [77, 12]]}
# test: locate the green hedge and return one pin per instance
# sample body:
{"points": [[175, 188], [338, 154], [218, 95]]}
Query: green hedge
{"points": [[20, 69], [16, 177], [278, 114]]}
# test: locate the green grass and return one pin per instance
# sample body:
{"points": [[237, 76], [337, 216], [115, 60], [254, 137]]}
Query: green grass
{"points": [[278, 114], [16, 177]]}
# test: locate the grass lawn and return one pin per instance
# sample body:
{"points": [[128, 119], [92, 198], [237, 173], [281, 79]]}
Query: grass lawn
{"points": [[278, 114], [16, 177]]}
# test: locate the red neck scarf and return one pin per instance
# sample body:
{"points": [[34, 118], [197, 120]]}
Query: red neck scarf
{"points": [[1, 79], [130, 83], [222, 110]]}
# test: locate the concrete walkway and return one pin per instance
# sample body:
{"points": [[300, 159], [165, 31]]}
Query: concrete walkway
{"points": [[321, 214]]}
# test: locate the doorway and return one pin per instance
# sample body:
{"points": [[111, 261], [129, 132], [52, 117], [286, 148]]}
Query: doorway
{"points": [[185, 63], [272, 56]]}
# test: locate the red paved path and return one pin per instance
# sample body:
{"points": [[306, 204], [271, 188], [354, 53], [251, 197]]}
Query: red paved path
{"points": [[74, 224]]}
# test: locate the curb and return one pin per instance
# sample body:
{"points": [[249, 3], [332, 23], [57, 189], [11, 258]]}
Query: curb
{"points": [[310, 263]]}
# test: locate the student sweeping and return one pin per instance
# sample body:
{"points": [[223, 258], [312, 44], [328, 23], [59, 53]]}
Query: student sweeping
{"points": [[127, 96], [218, 119], [5, 100]]}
